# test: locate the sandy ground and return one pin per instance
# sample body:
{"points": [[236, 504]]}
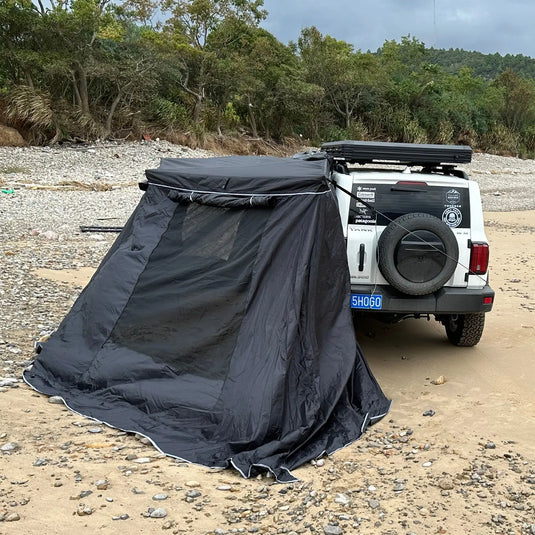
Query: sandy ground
{"points": [[490, 388], [470, 468]]}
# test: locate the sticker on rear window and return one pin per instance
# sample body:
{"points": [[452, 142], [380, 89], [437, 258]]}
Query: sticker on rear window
{"points": [[452, 217], [367, 196], [453, 196]]}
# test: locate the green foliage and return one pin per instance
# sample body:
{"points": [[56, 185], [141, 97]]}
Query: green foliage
{"points": [[349, 83], [518, 109], [170, 115], [97, 68], [502, 140], [528, 139], [486, 66], [232, 119]]}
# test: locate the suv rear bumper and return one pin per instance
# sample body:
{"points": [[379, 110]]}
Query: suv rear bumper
{"points": [[447, 300]]}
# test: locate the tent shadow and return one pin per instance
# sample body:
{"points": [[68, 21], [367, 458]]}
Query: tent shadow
{"points": [[420, 340]]}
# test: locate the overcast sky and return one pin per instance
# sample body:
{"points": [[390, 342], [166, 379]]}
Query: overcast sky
{"points": [[488, 26]]}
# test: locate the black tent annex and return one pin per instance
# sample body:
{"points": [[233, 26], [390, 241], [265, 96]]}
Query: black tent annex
{"points": [[218, 324]]}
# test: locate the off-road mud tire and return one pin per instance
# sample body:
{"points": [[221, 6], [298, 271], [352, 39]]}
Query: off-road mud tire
{"points": [[464, 330], [396, 231]]}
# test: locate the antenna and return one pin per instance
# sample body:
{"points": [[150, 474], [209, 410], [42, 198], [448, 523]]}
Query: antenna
{"points": [[435, 23]]}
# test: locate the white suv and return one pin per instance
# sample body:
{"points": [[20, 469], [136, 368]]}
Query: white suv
{"points": [[416, 245]]}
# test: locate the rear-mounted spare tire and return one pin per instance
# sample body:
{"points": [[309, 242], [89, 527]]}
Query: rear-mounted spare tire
{"points": [[417, 253]]}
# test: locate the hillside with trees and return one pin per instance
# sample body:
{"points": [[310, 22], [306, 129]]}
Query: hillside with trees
{"points": [[88, 69], [488, 66]]}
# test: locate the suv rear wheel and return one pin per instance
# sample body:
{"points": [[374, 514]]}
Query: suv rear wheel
{"points": [[464, 329]]}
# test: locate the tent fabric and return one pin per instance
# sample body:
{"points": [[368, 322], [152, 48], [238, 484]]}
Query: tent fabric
{"points": [[218, 324]]}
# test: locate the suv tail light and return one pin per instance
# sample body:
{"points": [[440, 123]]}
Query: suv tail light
{"points": [[479, 258]]}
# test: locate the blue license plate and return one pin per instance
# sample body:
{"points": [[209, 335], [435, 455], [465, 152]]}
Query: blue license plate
{"points": [[367, 302]]}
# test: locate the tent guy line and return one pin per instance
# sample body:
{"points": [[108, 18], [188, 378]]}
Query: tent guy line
{"points": [[203, 192]]}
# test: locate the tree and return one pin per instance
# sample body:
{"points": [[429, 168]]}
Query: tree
{"points": [[518, 111], [348, 79], [189, 26], [78, 63], [273, 86], [21, 35], [262, 79]]}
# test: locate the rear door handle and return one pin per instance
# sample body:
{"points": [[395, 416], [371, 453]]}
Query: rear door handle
{"points": [[362, 252]]}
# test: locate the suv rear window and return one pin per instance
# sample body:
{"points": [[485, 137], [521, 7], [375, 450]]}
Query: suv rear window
{"points": [[451, 205]]}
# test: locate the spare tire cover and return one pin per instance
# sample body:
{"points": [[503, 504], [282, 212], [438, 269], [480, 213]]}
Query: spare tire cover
{"points": [[417, 253]]}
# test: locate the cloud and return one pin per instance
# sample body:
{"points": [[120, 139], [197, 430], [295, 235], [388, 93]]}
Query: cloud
{"points": [[467, 16], [485, 25]]}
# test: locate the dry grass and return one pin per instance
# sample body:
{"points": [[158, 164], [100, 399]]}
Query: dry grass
{"points": [[72, 185], [239, 145], [75, 185], [13, 169]]}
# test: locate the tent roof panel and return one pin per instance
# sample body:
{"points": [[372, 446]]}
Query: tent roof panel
{"points": [[242, 174]]}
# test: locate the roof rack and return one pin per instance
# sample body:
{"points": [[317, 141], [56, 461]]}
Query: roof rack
{"points": [[363, 152]]}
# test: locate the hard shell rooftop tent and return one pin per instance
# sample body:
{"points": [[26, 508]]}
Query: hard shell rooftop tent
{"points": [[218, 324]]}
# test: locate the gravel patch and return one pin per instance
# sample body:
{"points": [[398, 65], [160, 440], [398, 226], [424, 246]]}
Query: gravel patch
{"points": [[114, 163], [506, 183], [47, 194]]}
